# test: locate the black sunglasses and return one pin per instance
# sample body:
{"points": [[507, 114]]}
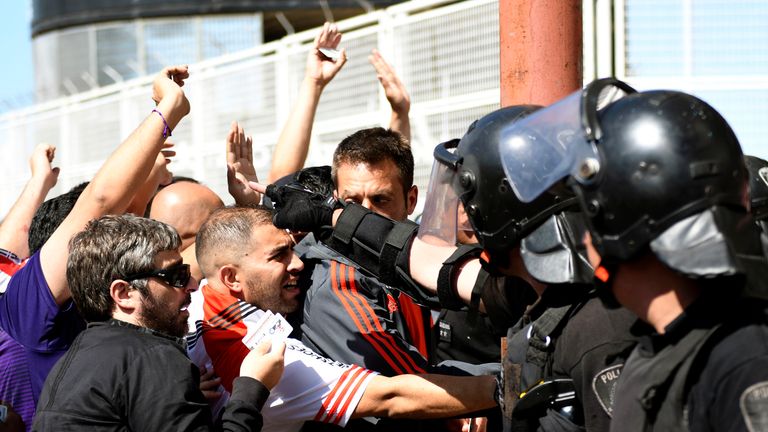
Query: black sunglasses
{"points": [[176, 276]]}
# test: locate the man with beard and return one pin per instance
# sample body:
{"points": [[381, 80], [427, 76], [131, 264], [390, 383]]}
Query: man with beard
{"points": [[251, 268], [128, 370]]}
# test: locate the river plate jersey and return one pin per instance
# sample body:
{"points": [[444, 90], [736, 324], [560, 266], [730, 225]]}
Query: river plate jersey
{"points": [[312, 387]]}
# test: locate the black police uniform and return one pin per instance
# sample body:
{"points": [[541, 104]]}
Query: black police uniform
{"points": [[708, 371], [474, 337], [471, 342], [569, 335]]}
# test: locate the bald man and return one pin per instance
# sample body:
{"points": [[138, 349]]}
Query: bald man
{"points": [[185, 205]]}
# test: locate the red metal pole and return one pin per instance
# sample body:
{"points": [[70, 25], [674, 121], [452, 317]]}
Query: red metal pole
{"points": [[541, 50]]}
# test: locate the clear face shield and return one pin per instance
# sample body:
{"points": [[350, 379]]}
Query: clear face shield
{"points": [[557, 141], [443, 215]]}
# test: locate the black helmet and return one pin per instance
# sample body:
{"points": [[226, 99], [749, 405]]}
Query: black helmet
{"points": [[498, 218], [658, 169], [665, 156], [758, 189], [470, 171]]}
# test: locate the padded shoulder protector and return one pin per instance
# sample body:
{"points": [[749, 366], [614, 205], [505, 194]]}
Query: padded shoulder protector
{"points": [[381, 247]]}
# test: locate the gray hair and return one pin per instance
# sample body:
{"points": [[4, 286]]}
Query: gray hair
{"points": [[111, 248]]}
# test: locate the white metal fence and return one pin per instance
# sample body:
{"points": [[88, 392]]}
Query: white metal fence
{"points": [[447, 56]]}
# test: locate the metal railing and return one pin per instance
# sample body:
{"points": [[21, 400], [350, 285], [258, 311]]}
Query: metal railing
{"points": [[446, 52], [447, 55]]}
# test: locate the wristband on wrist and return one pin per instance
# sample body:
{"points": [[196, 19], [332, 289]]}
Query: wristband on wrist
{"points": [[167, 129]]}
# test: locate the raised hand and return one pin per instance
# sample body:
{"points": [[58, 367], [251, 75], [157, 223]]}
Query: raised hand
{"points": [[320, 68], [240, 168], [167, 85], [40, 164], [396, 94], [264, 364]]}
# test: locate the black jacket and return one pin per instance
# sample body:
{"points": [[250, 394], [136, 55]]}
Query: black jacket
{"points": [[120, 377], [708, 371]]}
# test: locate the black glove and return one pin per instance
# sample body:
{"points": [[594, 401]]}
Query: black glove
{"points": [[299, 209]]}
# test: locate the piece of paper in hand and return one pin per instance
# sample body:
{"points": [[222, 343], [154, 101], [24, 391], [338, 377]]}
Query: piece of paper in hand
{"points": [[250, 338], [275, 327], [331, 53], [278, 328]]}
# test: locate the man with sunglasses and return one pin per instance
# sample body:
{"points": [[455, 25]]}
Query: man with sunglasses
{"points": [[37, 310], [128, 369]]}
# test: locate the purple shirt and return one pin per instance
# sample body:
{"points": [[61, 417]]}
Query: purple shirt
{"points": [[15, 384], [29, 314]]}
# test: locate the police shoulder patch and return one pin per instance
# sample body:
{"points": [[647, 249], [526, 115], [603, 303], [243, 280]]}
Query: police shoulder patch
{"points": [[754, 406], [604, 386]]}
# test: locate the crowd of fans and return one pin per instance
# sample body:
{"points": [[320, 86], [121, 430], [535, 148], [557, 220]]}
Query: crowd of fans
{"points": [[613, 249]]}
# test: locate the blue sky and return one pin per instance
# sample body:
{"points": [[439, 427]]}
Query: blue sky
{"points": [[16, 75]]}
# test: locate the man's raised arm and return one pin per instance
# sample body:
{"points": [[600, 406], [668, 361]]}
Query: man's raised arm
{"points": [[14, 231], [114, 185], [293, 145], [396, 93]]}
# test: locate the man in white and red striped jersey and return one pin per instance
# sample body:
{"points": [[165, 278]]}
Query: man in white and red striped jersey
{"points": [[250, 268]]}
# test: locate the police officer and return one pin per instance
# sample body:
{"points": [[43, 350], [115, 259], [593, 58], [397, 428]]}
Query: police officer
{"points": [[661, 177], [567, 350]]}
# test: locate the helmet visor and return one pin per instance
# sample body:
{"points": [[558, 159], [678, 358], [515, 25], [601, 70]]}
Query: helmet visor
{"points": [[440, 220], [555, 142]]}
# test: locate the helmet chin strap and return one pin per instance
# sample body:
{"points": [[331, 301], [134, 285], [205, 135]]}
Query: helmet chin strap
{"points": [[603, 281]]}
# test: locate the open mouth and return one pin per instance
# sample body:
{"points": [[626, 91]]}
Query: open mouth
{"points": [[291, 285]]}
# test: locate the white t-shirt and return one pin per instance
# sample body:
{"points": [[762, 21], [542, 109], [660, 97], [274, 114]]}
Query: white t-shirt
{"points": [[312, 387]]}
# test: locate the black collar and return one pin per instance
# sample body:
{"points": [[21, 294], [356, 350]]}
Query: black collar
{"points": [[117, 323], [705, 312]]}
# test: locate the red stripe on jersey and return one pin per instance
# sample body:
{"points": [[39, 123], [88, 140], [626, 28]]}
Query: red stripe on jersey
{"points": [[9, 267], [351, 396], [224, 344], [387, 339], [414, 320], [342, 295], [326, 413], [400, 362]]}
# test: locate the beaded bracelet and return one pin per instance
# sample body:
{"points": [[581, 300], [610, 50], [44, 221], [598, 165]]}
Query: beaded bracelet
{"points": [[167, 129]]}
